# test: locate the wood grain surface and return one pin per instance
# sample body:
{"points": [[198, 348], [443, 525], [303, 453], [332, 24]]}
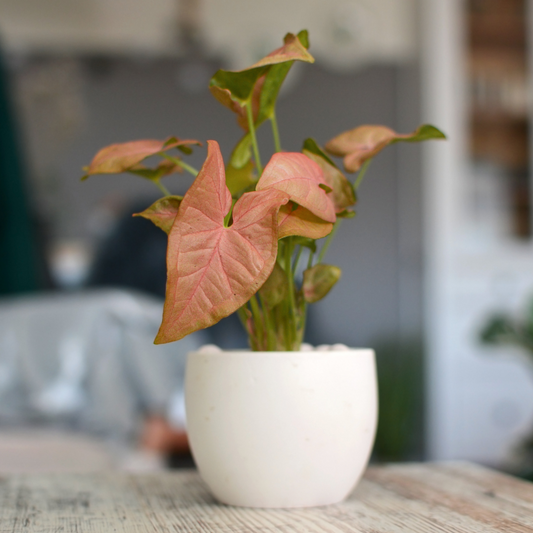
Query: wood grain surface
{"points": [[414, 498]]}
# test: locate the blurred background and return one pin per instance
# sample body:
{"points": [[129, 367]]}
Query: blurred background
{"points": [[441, 240]]}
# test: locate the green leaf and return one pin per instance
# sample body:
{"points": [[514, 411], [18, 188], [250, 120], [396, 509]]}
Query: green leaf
{"points": [[318, 281], [305, 242], [310, 145], [239, 179], [275, 287], [259, 83], [347, 213], [363, 143], [425, 132], [270, 90], [163, 212], [242, 153], [164, 168], [500, 330], [303, 35], [237, 86]]}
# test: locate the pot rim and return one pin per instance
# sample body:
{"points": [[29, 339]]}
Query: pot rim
{"points": [[304, 354]]}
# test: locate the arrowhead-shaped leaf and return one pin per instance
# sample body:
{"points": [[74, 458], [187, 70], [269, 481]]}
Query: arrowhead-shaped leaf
{"points": [[117, 158], [275, 287], [212, 270], [343, 194], [163, 212], [318, 281], [302, 179], [261, 82], [301, 222], [364, 142]]}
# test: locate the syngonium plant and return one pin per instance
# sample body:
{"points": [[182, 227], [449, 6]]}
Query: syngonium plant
{"points": [[236, 238]]}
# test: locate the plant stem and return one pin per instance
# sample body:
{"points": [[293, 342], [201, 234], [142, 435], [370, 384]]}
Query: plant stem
{"points": [[361, 174], [181, 164], [162, 188], [310, 259], [251, 127], [296, 260], [328, 241], [241, 313], [275, 131], [271, 341], [258, 321], [292, 305]]}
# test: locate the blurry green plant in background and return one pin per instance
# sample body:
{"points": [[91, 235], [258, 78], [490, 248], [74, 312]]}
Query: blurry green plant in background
{"points": [[502, 329]]}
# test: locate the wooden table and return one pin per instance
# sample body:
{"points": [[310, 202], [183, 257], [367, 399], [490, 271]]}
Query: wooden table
{"points": [[415, 498]]}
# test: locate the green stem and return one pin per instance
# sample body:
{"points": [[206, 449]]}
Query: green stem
{"points": [[271, 341], [258, 321], [310, 259], [275, 132], [181, 164], [162, 188], [241, 313], [296, 260], [292, 303], [361, 174], [328, 240], [251, 127]]}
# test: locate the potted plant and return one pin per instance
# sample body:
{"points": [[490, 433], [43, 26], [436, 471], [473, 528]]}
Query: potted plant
{"points": [[278, 426]]}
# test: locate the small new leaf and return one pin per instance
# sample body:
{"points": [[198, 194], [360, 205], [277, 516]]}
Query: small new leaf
{"points": [[318, 281], [163, 212], [275, 287]]}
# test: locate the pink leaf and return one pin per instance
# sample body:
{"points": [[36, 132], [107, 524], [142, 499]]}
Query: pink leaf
{"points": [[363, 143], [301, 222], [291, 50], [301, 178], [212, 270], [117, 158]]}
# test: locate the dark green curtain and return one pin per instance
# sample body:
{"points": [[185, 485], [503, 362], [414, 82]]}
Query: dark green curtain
{"points": [[18, 253]]}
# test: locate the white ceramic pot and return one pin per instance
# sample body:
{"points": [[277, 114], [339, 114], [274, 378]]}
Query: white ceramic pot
{"points": [[281, 429]]}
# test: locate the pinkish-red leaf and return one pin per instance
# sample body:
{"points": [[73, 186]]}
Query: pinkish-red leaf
{"points": [[363, 143], [343, 195], [301, 222], [162, 212], [302, 179], [212, 270], [117, 158], [291, 50]]}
